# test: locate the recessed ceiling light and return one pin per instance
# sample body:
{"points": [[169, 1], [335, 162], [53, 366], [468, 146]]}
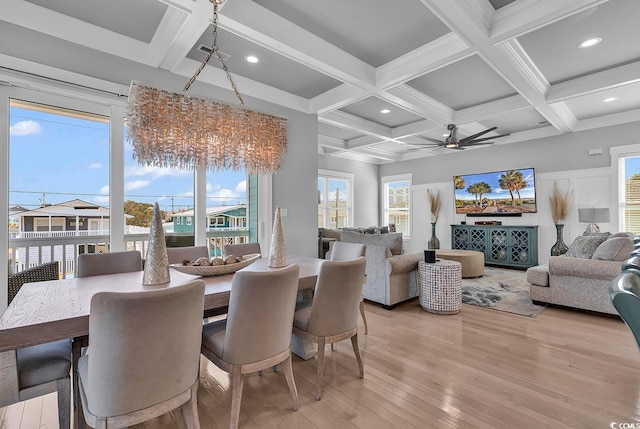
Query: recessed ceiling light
{"points": [[590, 42], [610, 99], [252, 59], [385, 111], [445, 135]]}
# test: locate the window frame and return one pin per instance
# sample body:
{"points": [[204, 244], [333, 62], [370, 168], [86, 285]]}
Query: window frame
{"points": [[618, 194], [337, 175], [385, 181]]}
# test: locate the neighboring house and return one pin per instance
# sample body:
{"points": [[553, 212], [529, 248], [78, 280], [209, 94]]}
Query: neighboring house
{"points": [[75, 217], [221, 217]]}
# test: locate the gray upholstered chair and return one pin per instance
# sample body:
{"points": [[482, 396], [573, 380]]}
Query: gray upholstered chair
{"points": [[624, 292], [38, 370], [241, 249], [99, 264], [333, 314], [257, 332], [341, 251], [144, 356], [179, 254]]}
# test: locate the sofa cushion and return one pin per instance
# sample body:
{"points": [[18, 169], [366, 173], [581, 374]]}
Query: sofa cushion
{"points": [[614, 249], [584, 246], [391, 241], [538, 275]]}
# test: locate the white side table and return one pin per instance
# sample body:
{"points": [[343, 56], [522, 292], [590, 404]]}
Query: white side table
{"points": [[440, 286]]}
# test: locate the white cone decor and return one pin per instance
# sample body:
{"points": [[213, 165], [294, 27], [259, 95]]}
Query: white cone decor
{"points": [[277, 258], [156, 265]]}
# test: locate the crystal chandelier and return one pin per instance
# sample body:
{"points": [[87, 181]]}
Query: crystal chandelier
{"points": [[180, 131]]}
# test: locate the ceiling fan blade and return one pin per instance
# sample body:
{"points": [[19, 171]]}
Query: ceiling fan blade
{"points": [[473, 137], [476, 143], [487, 138]]}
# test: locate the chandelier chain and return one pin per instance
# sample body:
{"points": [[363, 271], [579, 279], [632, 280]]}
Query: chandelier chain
{"points": [[215, 51]]}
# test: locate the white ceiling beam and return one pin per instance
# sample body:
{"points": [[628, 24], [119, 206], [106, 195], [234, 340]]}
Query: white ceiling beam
{"points": [[608, 120], [524, 16], [491, 110], [265, 28], [418, 103], [336, 98], [627, 74], [346, 120], [418, 127], [439, 53]]}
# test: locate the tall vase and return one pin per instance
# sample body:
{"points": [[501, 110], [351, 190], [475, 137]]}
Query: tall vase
{"points": [[277, 258], [559, 248], [434, 243], [156, 264]]}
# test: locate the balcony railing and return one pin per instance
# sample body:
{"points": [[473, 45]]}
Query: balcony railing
{"points": [[30, 249]]}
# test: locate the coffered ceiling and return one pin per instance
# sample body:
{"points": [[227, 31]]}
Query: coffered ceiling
{"points": [[513, 64]]}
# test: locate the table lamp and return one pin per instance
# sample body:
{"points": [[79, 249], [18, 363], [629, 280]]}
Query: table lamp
{"points": [[593, 216]]}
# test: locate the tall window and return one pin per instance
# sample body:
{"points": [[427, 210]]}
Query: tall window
{"points": [[397, 202], [629, 192], [335, 199], [58, 167]]}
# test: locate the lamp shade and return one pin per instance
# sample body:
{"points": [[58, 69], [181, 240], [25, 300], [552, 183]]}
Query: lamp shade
{"points": [[593, 215]]}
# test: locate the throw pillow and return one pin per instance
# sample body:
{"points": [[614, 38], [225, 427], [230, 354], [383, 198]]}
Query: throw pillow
{"points": [[392, 241], [614, 249], [584, 246], [392, 227]]}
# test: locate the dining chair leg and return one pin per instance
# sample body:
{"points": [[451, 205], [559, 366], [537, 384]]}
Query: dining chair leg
{"points": [[291, 382], [320, 368], [237, 382], [81, 422], [364, 318], [356, 350], [64, 402], [190, 409]]}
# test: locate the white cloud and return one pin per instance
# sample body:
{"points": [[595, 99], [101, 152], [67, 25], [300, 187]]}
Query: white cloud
{"points": [[136, 184], [188, 194], [241, 187], [25, 128], [104, 190], [155, 172], [101, 199], [162, 198], [94, 165]]}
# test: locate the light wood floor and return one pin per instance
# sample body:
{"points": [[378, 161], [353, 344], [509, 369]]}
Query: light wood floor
{"points": [[477, 369]]}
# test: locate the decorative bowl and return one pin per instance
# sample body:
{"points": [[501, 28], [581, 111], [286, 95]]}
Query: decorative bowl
{"points": [[216, 270]]}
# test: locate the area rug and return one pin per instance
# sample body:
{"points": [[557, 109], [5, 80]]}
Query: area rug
{"points": [[500, 289]]}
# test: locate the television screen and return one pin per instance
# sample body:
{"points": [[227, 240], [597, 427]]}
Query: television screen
{"points": [[499, 192]]}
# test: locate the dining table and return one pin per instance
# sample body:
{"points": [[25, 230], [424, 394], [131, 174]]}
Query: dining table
{"points": [[52, 310]]}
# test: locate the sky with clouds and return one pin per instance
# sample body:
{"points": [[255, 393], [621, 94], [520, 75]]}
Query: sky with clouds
{"points": [[67, 158]]}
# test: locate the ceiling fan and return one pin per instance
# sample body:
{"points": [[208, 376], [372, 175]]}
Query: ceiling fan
{"points": [[453, 142]]}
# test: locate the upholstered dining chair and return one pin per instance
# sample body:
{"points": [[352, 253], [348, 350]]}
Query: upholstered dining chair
{"points": [[191, 253], [241, 249], [257, 332], [99, 264], [144, 356], [333, 314], [37, 370], [342, 251]]}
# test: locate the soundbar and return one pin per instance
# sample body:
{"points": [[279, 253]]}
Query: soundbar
{"points": [[488, 222]]}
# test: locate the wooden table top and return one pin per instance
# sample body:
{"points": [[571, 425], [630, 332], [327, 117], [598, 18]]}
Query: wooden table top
{"points": [[58, 309]]}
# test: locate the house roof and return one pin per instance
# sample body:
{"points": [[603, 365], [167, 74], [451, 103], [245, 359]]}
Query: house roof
{"points": [[70, 209], [513, 64], [212, 211]]}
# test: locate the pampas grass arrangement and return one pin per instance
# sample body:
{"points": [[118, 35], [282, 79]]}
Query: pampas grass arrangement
{"points": [[560, 202], [434, 204]]}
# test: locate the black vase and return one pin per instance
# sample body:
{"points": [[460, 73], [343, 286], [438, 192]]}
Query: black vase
{"points": [[559, 248]]}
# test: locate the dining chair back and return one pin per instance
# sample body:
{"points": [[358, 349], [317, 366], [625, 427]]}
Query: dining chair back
{"points": [[241, 249], [342, 251], [144, 356], [191, 253], [257, 331], [333, 314], [99, 264], [624, 292], [41, 369]]}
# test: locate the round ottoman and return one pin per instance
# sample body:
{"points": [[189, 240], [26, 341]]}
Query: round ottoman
{"points": [[471, 260]]}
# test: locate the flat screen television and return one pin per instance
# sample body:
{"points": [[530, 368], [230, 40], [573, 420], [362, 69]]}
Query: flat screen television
{"points": [[506, 193]]}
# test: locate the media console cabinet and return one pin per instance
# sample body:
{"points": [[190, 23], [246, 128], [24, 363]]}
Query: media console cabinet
{"points": [[508, 246]]}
